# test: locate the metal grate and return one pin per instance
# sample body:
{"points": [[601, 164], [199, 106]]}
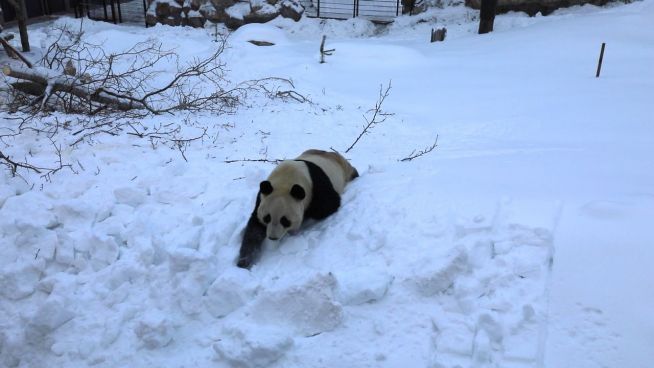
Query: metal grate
{"points": [[115, 11], [375, 10]]}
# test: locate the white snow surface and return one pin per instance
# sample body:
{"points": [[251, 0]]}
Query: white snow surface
{"points": [[523, 240]]}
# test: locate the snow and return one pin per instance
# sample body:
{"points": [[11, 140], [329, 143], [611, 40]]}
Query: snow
{"points": [[522, 240]]}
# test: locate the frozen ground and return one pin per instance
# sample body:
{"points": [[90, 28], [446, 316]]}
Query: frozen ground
{"points": [[523, 240]]}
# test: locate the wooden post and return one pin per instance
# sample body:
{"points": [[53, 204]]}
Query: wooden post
{"points": [[324, 52], [599, 63], [438, 34], [145, 13], [487, 16], [120, 13], [113, 11]]}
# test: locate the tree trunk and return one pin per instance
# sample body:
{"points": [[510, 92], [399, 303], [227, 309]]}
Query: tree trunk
{"points": [[21, 19], [487, 16]]}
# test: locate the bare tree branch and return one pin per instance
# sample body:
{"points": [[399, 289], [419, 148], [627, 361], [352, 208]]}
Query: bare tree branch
{"points": [[11, 51], [378, 116], [105, 93], [276, 161], [414, 154], [46, 172]]}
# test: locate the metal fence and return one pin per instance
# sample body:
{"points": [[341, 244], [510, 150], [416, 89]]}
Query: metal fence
{"points": [[376, 10], [115, 11]]}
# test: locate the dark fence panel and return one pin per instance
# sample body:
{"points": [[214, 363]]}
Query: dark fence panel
{"points": [[377, 10]]}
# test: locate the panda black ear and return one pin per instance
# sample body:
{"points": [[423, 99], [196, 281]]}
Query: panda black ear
{"points": [[297, 192], [265, 187]]}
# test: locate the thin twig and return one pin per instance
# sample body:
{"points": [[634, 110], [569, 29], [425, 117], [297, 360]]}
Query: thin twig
{"points": [[414, 154], [378, 116], [253, 160]]}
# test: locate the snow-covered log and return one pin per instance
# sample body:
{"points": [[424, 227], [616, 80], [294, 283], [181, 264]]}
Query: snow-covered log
{"points": [[70, 85]]}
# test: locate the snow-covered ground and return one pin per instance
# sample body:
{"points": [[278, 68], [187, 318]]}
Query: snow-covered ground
{"points": [[523, 240]]}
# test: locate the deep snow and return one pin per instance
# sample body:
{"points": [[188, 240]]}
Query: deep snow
{"points": [[521, 241]]}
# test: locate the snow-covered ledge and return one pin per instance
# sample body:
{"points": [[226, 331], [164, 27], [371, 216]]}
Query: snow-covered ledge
{"points": [[196, 13]]}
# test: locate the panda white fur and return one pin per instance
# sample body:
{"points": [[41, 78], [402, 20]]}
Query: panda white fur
{"points": [[309, 186]]}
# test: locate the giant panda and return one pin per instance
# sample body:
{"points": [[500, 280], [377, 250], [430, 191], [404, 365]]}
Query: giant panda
{"points": [[309, 186]]}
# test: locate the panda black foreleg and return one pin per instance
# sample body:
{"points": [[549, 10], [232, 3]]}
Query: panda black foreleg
{"points": [[253, 238]]}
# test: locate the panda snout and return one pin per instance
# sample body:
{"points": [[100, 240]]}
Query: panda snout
{"points": [[273, 238]]}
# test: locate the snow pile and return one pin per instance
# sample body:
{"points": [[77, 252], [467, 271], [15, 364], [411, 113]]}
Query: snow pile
{"points": [[138, 288]]}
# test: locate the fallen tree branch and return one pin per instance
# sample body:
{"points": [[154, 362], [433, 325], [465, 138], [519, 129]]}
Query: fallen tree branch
{"points": [[11, 51], [414, 154], [46, 172], [68, 84], [14, 165], [253, 160]]}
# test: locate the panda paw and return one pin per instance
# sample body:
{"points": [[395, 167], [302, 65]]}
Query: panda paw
{"points": [[245, 262]]}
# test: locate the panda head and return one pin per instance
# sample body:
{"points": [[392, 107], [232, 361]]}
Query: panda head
{"points": [[281, 208]]}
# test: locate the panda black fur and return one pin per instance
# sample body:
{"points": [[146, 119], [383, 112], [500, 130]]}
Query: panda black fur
{"points": [[309, 186]]}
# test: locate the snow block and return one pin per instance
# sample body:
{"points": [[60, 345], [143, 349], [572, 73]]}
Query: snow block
{"points": [[19, 280], [440, 276], [25, 211], [452, 339], [309, 307], [360, 287], [103, 251], [48, 317], [229, 292], [130, 196], [252, 347], [154, 330]]}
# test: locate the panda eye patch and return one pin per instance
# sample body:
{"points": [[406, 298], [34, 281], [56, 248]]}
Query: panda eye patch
{"points": [[266, 219], [284, 221]]}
